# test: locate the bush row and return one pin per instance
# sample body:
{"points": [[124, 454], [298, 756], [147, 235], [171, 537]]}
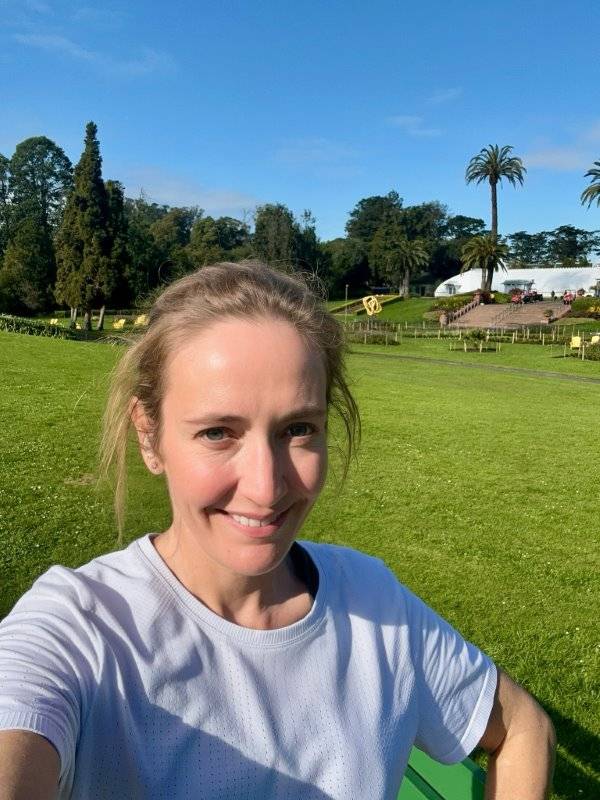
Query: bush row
{"points": [[34, 327], [586, 307]]}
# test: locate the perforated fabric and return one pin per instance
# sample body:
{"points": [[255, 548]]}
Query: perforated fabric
{"points": [[146, 693]]}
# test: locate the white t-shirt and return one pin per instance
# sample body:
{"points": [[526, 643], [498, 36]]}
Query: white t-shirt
{"points": [[146, 693]]}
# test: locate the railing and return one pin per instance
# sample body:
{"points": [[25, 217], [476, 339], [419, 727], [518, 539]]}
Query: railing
{"points": [[454, 315]]}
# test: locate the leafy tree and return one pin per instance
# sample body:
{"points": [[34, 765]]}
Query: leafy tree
{"points": [[492, 164], [141, 271], [28, 268], [396, 256], [120, 259], [85, 272], [4, 203], [527, 249], [41, 176], [591, 194], [427, 221], [346, 264], [370, 213], [171, 233], [308, 254], [205, 245], [486, 253], [233, 234], [461, 227], [275, 234], [570, 246]]}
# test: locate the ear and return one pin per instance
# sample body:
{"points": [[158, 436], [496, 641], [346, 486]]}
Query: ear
{"points": [[143, 428]]}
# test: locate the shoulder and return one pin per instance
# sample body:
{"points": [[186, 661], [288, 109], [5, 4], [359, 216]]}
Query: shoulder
{"points": [[363, 579], [64, 590]]}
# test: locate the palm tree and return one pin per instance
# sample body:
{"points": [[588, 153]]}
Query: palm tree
{"points": [[492, 164], [592, 192], [395, 256], [487, 254]]}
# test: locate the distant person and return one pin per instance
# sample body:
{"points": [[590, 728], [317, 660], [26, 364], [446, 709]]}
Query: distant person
{"points": [[222, 658]]}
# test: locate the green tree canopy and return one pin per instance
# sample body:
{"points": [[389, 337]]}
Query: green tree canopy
{"points": [[492, 164], [347, 263], [275, 234], [41, 176], [397, 257], [28, 268], [370, 213], [486, 253], [4, 203], [85, 277]]}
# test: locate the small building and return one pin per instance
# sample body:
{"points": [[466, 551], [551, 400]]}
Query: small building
{"points": [[543, 280]]}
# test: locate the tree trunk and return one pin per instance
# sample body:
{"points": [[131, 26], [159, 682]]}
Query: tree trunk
{"points": [[73, 321], [483, 279], [101, 319], [87, 320], [489, 277], [406, 284], [494, 211]]}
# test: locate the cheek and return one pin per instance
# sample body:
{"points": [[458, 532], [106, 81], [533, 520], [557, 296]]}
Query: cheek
{"points": [[310, 469], [198, 481]]}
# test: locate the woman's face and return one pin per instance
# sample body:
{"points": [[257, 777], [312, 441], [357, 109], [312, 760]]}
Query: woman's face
{"points": [[243, 441]]}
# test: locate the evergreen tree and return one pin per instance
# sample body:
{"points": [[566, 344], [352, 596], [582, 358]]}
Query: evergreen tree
{"points": [[83, 242], [205, 246]]}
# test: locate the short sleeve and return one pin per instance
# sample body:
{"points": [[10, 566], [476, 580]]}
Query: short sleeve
{"points": [[45, 664], [455, 682]]}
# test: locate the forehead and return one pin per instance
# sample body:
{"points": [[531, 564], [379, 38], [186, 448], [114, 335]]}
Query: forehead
{"points": [[244, 366]]}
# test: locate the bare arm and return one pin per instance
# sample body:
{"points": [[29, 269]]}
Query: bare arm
{"points": [[29, 767], [520, 740]]}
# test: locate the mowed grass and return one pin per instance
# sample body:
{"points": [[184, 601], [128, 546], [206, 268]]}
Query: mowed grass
{"points": [[478, 487]]}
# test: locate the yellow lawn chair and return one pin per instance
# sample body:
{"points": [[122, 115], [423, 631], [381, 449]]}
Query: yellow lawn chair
{"points": [[119, 324], [141, 320], [575, 342], [53, 321], [595, 339]]}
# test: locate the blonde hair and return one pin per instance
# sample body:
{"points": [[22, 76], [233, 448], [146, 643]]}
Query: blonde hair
{"points": [[226, 290]]}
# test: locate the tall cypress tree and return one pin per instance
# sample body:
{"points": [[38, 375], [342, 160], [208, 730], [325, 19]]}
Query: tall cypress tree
{"points": [[83, 241]]}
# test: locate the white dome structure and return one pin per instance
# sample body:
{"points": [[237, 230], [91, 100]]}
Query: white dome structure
{"points": [[542, 280]]}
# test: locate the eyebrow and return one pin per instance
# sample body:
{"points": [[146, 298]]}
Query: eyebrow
{"points": [[225, 419]]}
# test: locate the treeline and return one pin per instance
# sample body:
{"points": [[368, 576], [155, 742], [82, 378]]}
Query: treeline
{"points": [[68, 236]]}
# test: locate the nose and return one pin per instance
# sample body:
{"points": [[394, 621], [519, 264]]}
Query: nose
{"points": [[261, 477]]}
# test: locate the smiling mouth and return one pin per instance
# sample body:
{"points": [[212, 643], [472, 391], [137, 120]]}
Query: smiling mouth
{"points": [[272, 521]]}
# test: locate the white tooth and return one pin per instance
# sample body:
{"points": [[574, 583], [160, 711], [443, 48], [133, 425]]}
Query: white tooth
{"points": [[252, 523]]}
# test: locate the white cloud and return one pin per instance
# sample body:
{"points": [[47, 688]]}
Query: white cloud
{"points": [[160, 186], [413, 125], [444, 96], [558, 159], [147, 62]]}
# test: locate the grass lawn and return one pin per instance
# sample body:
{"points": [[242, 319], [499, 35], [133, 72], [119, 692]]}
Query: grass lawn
{"points": [[410, 311], [478, 487]]}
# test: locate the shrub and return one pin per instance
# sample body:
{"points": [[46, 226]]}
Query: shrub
{"points": [[586, 307], [476, 335], [34, 327], [592, 352], [452, 303]]}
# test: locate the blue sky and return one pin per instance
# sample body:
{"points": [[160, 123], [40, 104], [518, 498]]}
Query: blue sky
{"points": [[313, 104]]}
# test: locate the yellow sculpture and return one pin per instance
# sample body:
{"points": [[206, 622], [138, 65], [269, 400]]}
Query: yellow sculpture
{"points": [[372, 305]]}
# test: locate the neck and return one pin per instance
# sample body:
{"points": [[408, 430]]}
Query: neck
{"points": [[263, 602]]}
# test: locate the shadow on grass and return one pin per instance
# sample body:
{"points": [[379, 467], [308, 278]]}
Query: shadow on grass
{"points": [[576, 745]]}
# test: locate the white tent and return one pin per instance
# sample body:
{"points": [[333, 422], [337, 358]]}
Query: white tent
{"points": [[542, 280]]}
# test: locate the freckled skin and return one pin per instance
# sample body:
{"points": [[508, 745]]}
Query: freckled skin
{"points": [[259, 465]]}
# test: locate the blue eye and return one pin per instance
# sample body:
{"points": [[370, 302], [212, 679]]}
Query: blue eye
{"points": [[300, 429], [214, 434]]}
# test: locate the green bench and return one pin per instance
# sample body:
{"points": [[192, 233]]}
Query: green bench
{"points": [[426, 779]]}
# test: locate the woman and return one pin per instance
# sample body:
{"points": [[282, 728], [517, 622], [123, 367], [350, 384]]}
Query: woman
{"points": [[221, 658]]}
